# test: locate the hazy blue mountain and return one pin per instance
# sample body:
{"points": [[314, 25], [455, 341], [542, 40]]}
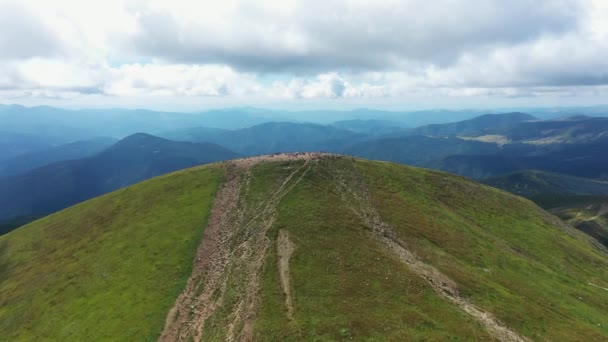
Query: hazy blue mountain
{"points": [[418, 150], [131, 160], [587, 160], [530, 183], [72, 125], [477, 166], [13, 144], [437, 116], [371, 126], [196, 134], [484, 124], [569, 130], [560, 112], [273, 137], [75, 150], [519, 128]]}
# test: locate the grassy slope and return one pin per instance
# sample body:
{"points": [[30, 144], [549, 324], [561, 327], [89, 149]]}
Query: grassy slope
{"points": [[587, 213], [107, 269], [504, 252], [346, 286]]}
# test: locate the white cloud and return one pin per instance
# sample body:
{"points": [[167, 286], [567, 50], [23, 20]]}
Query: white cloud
{"points": [[318, 36], [347, 50], [178, 80]]}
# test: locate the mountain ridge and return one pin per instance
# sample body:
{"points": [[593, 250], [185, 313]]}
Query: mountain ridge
{"points": [[378, 250], [140, 156]]}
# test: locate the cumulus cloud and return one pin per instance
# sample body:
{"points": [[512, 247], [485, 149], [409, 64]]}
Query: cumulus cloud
{"points": [[295, 49], [174, 80], [322, 86], [314, 36], [25, 34]]}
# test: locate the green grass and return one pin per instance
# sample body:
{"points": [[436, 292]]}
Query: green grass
{"points": [[108, 269], [506, 255], [504, 252], [12, 224], [346, 285]]}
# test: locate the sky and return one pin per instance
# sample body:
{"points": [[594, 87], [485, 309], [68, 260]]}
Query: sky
{"points": [[392, 54]]}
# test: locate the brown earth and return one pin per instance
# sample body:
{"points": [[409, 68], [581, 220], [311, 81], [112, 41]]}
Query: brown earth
{"points": [[232, 251], [285, 249]]}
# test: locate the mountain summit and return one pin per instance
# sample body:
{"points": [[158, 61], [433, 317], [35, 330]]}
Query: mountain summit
{"points": [[303, 247]]}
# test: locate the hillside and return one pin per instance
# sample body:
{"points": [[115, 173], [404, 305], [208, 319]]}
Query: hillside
{"points": [[107, 269], [569, 130], [586, 159], [74, 150], [418, 150], [272, 137], [376, 127], [530, 183], [494, 144], [522, 128], [59, 185], [587, 213], [480, 125], [303, 247], [13, 144], [581, 202]]}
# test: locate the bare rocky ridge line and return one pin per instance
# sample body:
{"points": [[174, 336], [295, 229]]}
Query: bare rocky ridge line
{"points": [[285, 249], [359, 197], [231, 254]]}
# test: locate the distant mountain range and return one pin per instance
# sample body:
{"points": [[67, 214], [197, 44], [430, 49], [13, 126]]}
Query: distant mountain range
{"points": [[31, 160], [573, 146], [418, 150], [131, 160], [484, 124], [273, 137], [293, 246], [46, 175], [13, 144], [374, 127], [531, 183], [71, 125]]}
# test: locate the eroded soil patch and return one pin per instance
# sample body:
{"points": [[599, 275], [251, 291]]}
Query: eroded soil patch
{"points": [[223, 289]]}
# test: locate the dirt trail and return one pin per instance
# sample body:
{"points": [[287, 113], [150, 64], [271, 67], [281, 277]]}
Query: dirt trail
{"points": [[255, 248], [285, 249], [192, 308], [223, 289], [231, 255], [599, 287], [355, 192]]}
